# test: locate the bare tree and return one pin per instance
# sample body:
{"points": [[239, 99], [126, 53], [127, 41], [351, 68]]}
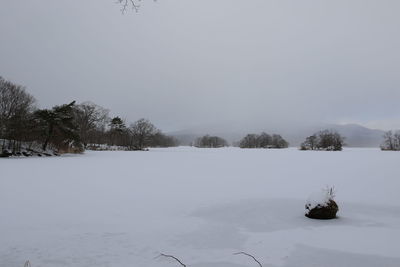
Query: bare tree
{"points": [[397, 140], [263, 140], [130, 4], [210, 142], [330, 140], [172, 257], [310, 143], [324, 140], [249, 141], [279, 142], [141, 133], [391, 141], [90, 118], [125, 4], [249, 255], [15, 106]]}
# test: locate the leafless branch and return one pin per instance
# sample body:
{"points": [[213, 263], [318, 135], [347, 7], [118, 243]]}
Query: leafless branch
{"points": [[172, 257], [126, 3], [251, 256]]}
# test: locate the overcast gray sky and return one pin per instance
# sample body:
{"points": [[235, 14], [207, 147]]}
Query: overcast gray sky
{"points": [[188, 63]]}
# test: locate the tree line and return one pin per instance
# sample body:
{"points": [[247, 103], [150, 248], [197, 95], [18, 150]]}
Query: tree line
{"points": [[208, 141], [328, 140], [263, 140], [70, 127]]}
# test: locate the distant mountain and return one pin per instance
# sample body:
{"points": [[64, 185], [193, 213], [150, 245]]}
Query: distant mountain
{"points": [[359, 136], [355, 135]]}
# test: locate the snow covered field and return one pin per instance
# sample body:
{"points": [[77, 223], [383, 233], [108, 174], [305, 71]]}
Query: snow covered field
{"points": [[201, 205]]}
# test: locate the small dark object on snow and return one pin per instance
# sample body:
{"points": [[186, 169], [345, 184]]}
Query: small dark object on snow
{"points": [[323, 212]]}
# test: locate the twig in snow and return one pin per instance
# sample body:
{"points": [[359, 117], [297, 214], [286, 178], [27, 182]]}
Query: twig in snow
{"points": [[172, 257], [251, 256]]}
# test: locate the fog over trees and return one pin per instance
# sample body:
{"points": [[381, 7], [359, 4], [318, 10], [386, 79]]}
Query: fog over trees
{"points": [[208, 141]]}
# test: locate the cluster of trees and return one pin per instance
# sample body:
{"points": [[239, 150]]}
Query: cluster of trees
{"points": [[137, 136], [67, 128], [16, 114], [263, 140], [391, 141], [324, 140], [210, 142]]}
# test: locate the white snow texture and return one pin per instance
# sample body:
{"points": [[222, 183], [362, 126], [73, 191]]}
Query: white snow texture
{"points": [[119, 208]]}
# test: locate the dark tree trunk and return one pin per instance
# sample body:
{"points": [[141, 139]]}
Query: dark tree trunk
{"points": [[49, 135]]}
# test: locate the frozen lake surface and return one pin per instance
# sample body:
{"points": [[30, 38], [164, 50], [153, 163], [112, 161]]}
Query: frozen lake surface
{"points": [[200, 205]]}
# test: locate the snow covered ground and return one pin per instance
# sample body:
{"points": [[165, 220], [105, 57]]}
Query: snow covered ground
{"points": [[200, 205]]}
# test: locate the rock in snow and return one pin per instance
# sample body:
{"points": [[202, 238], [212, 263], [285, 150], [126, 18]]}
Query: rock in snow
{"points": [[321, 205]]}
